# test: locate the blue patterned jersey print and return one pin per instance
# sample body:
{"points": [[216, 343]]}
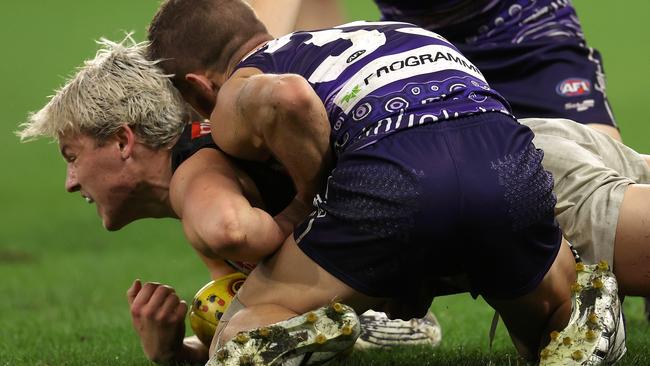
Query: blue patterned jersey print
{"points": [[486, 22]]}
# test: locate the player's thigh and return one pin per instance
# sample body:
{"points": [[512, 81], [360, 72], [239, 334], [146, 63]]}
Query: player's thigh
{"points": [[591, 173], [291, 279], [609, 130], [632, 243], [647, 159]]}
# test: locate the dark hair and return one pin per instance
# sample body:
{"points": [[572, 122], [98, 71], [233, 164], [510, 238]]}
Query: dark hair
{"points": [[199, 35]]}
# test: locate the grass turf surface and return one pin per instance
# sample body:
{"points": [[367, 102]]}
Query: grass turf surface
{"points": [[62, 293]]}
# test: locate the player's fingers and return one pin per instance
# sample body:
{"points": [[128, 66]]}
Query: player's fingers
{"points": [[181, 310], [133, 291], [142, 298], [166, 310], [158, 298]]}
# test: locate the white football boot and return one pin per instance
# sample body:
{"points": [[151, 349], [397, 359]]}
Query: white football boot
{"points": [[595, 334], [314, 338], [379, 331]]}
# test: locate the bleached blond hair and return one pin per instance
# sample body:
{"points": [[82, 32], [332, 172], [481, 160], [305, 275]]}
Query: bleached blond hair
{"points": [[119, 86]]}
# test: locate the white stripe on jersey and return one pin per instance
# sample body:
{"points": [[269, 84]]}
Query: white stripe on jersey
{"points": [[362, 23], [363, 44]]}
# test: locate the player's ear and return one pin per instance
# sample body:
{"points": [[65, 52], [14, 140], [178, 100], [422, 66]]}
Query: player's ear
{"points": [[202, 85], [125, 138], [203, 96]]}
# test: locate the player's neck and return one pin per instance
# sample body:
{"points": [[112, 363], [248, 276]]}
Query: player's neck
{"points": [[156, 173], [249, 46]]}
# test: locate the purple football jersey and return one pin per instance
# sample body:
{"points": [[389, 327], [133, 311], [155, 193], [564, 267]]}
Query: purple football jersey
{"points": [[376, 78], [392, 7]]}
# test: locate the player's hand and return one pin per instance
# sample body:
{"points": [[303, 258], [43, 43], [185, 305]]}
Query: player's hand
{"points": [[158, 317]]}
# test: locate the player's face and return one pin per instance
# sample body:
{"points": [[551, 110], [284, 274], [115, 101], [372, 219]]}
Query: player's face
{"points": [[101, 175]]}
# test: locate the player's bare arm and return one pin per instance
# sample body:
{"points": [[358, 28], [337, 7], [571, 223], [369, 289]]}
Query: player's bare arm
{"points": [[262, 115], [279, 16], [217, 267], [285, 16], [225, 225]]}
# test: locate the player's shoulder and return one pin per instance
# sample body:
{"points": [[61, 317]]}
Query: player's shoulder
{"points": [[243, 84], [204, 161], [254, 89], [241, 76], [207, 167]]}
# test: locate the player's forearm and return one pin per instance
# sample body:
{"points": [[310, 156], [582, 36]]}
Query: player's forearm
{"points": [[319, 14], [297, 133], [279, 16], [280, 116]]}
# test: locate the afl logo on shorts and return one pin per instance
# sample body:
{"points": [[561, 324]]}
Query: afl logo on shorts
{"points": [[574, 87]]}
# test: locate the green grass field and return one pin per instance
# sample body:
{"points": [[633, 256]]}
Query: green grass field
{"points": [[63, 278]]}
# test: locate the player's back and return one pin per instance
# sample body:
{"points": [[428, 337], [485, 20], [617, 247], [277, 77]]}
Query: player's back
{"points": [[376, 78], [436, 14], [484, 22]]}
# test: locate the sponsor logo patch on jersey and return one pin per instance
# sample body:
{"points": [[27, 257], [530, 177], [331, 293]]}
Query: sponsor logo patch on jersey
{"points": [[200, 128], [355, 55], [387, 69], [574, 87], [580, 106]]}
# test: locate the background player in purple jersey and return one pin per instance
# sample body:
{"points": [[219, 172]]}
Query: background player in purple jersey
{"points": [[533, 52], [424, 162]]}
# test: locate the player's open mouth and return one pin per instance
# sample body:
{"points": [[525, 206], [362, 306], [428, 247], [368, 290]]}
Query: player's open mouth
{"points": [[88, 199]]}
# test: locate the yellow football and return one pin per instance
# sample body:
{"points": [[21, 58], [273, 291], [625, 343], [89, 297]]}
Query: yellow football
{"points": [[210, 302]]}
